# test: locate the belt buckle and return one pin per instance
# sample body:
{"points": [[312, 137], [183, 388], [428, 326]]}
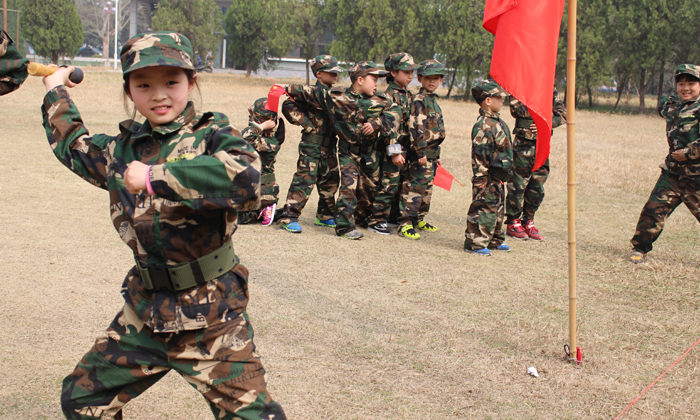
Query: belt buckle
{"points": [[160, 278]]}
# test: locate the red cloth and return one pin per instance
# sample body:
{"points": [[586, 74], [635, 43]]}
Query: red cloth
{"points": [[525, 57], [273, 98], [443, 179]]}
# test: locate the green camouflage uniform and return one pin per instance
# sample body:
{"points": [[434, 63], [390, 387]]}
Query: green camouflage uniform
{"points": [[427, 133], [679, 181], [202, 172], [267, 144], [526, 189], [386, 202], [318, 155], [348, 110], [492, 161], [13, 67]]}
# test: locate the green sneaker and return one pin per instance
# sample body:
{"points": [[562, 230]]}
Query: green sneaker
{"points": [[408, 232], [325, 223], [353, 234], [426, 226]]}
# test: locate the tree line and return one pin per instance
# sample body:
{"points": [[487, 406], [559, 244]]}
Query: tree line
{"points": [[629, 46]]}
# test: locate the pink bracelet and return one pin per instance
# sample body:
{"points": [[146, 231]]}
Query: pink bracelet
{"points": [[148, 181]]}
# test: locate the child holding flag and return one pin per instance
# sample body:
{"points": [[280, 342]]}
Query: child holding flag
{"points": [[176, 183], [492, 162], [427, 133]]}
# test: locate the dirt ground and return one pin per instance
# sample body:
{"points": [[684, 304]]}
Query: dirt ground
{"points": [[382, 328]]}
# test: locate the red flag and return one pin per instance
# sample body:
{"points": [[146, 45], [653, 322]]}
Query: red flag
{"points": [[273, 98], [443, 179], [525, 56]]}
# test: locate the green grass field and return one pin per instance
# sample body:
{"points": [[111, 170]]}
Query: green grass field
{"points": [[382, 328]]}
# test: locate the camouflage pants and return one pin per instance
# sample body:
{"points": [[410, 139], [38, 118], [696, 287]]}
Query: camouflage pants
{"points": [[269, 189], [668, 193], [386, 201], [317, 165], [219, 361], [417, 191], [526, 189], [359, 177], [486, 214]]}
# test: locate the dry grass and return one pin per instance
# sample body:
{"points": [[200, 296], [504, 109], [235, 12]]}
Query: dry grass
{"points": [[384, 327]]}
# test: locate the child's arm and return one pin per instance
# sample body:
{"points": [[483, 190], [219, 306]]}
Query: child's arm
{"points": [[295, 115], [416, 126], [667, 103], [482, 149], [253, 134], [559, 117]]}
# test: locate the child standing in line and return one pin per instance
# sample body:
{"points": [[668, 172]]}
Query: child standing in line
{"points": [[679, 181], [266, 136], [492, 162], [176, 183], [385, 208], [427, 133]]}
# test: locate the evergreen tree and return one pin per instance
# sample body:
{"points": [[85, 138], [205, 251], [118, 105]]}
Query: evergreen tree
{"points": [[52, 27]]}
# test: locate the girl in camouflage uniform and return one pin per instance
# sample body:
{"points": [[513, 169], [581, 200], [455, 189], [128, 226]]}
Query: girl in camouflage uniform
{"points": [[176, 184]]}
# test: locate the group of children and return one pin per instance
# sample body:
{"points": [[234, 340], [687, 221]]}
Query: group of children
{"points": [[180, 182]]}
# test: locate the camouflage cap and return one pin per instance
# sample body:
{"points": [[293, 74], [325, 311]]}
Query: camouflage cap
{"points": [[325, 63], [690, 69], [400, 61], [431, 68], [259, 113], [157, 49], [363, 68], [486, 89]]}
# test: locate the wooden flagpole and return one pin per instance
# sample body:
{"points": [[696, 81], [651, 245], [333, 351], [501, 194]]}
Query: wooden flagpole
{"points": [[571, 172]]}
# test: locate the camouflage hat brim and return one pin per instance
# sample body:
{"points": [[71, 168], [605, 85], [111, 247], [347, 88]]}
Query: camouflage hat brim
{"points": [[362, 73], [155, 50], [433, 72], [404, 67], [330, 69], [689, 69]]}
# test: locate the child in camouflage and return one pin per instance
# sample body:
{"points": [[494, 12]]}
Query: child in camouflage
{"points": [[13, 67], [176, 183], [492, 162], [427, 133], [265, 132], [680, 173]]}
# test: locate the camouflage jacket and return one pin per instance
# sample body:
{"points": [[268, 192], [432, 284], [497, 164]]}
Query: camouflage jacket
{"points": [[263, 141], [312, 120], [403, 98], [682, 133], [523, 120], [492, 151], [13, 67], [426, 124], [202, 173], [348, 110]]}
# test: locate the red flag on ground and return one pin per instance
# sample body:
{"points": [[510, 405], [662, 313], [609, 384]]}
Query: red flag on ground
{"points": [[273, 98], [525, 56], [443, 179]]}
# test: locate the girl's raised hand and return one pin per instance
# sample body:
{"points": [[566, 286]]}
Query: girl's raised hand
{"points": [[59, 77]]}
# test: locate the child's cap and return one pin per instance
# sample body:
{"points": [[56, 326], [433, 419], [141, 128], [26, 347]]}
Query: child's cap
{"points": [[259, 113], [400, 61], [156, 49], [690, 69], [431, 68], [326, 63], [363, 68], [486, 89]]}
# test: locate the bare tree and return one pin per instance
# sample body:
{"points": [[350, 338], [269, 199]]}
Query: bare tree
{"points": [[98, 20]]}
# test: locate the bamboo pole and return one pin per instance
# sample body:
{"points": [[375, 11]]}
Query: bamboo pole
{"points": [[571, 170], [4, 14]]}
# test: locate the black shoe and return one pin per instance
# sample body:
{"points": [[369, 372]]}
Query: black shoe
{"points": [[380, 227]]}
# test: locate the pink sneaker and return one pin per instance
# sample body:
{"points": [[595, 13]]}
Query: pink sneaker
{"points": [[268, 214]]}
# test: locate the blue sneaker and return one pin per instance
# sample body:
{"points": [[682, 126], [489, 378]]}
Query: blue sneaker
{"points": [[293, 227], [502, 248], [484, 252], [325, 223]]}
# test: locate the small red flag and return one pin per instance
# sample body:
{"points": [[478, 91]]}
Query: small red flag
{"points": [[443, 179], [273, 98], [525, 56]]}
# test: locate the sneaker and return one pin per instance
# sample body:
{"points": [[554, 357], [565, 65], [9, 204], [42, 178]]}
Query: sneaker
{"points": [[380, 227], [426, 226], [326, 223], [293, 227], [515, 230], [484, 252], [502, 248], [268, 214], [408, 232], [532, 231], [353, 234], [637, 257]]}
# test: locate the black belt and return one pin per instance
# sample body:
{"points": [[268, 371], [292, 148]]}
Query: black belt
{"points": [[312, 138], [357, 149], [190, 274]]}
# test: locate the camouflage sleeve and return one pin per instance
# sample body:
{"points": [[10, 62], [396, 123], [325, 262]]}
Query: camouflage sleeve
{"points": [[665, 104], [518, 109], [227, 175], [482, 149], [310, 95], [419, 134], [693, 148], [559, 117], [391, 122], [87, 156], [253, 135], [295, 115], [13, 67]]}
